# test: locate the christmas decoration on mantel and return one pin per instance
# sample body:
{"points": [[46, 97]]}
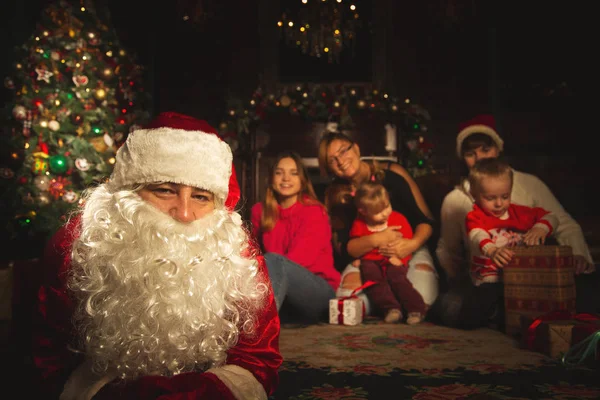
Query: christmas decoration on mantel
{"points": [[406, 133], [77, 94], [321, 28]]}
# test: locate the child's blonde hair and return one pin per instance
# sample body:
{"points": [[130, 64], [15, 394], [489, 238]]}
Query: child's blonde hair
{"points": [[488, 168], [371, 198]]}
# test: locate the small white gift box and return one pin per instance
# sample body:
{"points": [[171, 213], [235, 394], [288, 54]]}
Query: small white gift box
{"points": [[346, 311]]}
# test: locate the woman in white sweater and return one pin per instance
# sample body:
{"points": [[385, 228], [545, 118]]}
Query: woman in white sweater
{"points": [[479, 139]]}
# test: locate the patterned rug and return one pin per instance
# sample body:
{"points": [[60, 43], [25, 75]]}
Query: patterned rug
{"points": [[427, 362]]}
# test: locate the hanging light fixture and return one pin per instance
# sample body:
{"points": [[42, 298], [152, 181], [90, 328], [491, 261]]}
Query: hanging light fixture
{"points": [[321, 28]]}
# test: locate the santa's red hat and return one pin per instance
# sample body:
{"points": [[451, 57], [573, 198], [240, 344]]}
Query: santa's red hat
{"points": [[180, 149], [485, 124]]}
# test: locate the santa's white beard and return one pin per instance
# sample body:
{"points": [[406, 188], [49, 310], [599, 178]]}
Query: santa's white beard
{"points": [[157, 296]]}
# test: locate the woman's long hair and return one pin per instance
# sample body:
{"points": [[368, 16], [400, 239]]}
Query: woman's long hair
{"points": [[307, 195]]}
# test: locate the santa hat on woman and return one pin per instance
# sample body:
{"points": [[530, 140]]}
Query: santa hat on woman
{"points": [[485, 124], [180, 149]]}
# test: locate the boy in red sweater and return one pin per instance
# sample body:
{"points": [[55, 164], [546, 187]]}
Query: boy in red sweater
{"points": [[393, 290], [495, 223]]}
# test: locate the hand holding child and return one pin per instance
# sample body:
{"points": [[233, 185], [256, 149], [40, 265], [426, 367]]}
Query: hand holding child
{"points": [[582, 266], [388, 235], [399, 248]]}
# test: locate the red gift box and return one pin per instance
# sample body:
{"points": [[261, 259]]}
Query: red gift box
{"points": [[538, 280], [582, 333], [557, 332]]}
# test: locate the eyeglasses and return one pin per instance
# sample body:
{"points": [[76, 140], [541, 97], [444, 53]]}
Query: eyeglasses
{"points": [[340, 155]]}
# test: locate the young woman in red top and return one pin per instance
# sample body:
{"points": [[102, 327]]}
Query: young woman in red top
{"points": [[293, 230]]}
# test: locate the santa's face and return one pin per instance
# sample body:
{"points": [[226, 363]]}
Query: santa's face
{"points": [[159, 296], [183, 203]]}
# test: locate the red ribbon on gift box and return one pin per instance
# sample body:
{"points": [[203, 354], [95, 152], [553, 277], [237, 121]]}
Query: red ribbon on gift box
{"points": [[560, 315], [352, 295]]}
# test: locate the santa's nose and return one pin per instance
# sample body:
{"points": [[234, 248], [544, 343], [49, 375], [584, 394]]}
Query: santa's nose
{"points": [[182, 209]]}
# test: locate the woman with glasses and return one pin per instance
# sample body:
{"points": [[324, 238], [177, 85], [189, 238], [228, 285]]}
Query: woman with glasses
{"points": [[292, 228], [340, 156]]}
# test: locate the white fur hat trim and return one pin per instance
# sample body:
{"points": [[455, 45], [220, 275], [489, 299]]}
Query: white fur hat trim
{"points": [[164, 154], [471, 129]]}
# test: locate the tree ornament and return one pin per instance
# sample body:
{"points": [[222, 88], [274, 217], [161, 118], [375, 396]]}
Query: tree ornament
{"points": [[9, 83], [82, 164], [42, 182], [40, 163], [43, 74], [70, 197], [28, 199], [19, 112], [108, 140], [89, 104], [58, 186], [76, 119], [80, 80], [43, 147], [54, 125], [7, 173], [58, 164], [99, 144], [38, 103], [43, 199]]}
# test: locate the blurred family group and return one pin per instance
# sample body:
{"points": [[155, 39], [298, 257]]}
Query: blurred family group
{"points": [[158, 288]]}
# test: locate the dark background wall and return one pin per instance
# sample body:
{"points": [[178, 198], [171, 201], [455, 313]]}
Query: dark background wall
{"points": [[524, 61]]}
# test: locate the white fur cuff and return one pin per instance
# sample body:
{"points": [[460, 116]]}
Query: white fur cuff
{"points": [[241, 382]]}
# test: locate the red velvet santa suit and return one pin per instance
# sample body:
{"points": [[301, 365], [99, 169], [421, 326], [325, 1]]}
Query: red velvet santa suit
{"points": [[257, 354]]}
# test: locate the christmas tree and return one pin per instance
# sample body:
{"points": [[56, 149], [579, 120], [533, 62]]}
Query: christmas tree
{"points": [[77, 94]]}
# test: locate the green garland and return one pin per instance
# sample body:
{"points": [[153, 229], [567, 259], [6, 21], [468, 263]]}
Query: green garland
{"points": [[323, 103]]}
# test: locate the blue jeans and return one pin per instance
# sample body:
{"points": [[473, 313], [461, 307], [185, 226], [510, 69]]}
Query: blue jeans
{"points": [[295, 285]]}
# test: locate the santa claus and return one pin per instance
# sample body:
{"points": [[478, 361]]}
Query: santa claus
{"points": [[153, 289]]}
